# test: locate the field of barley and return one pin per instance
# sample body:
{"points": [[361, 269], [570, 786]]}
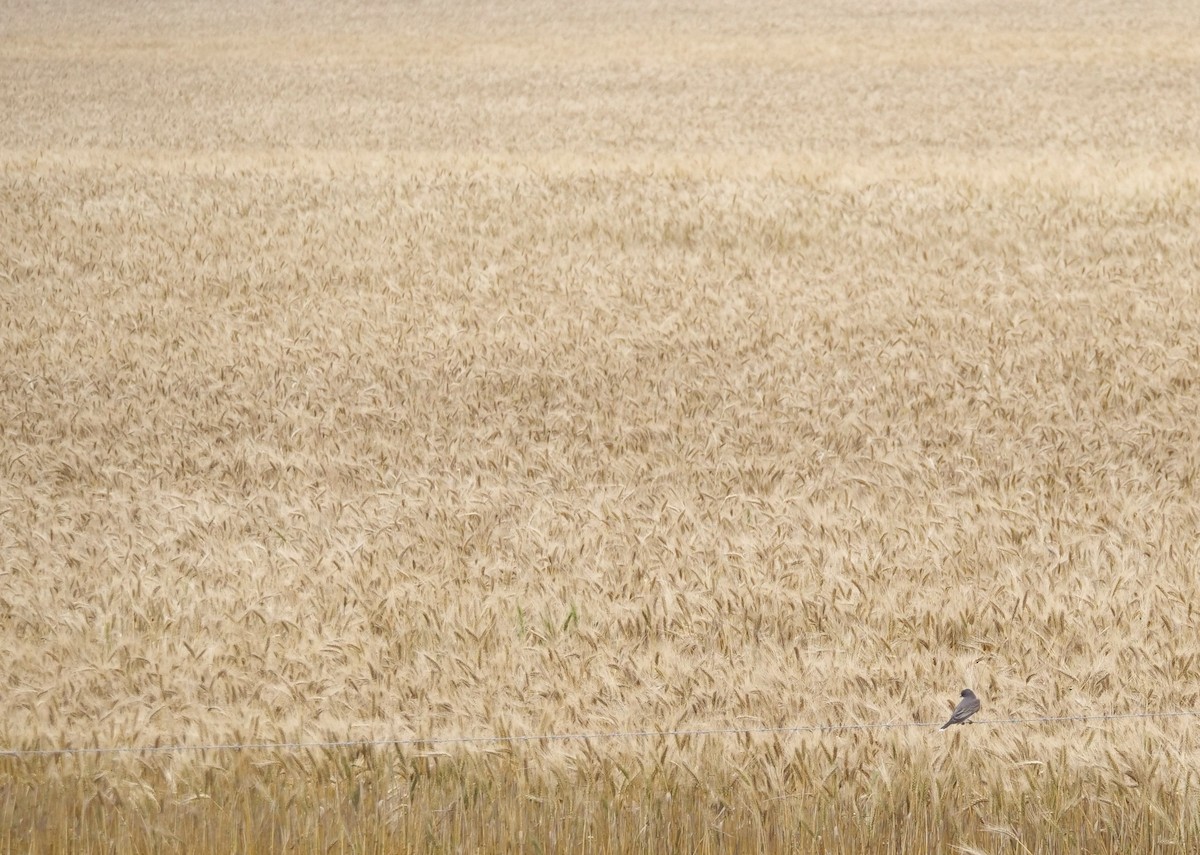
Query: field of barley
{"points": [[607, 427]]}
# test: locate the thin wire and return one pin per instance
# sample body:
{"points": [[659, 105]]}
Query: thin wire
{"points": [[562, 737]]}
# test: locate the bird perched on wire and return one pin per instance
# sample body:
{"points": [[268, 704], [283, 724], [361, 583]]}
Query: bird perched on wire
{"points": [[967, 707]]}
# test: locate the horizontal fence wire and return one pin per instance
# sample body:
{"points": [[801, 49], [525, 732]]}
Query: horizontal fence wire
{"points": [[431, 741]]}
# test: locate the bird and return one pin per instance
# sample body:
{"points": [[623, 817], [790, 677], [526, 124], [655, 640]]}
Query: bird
{"points": [[967, 707]]}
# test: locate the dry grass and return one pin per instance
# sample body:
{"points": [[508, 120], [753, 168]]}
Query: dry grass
{"points": [[481, 369]]}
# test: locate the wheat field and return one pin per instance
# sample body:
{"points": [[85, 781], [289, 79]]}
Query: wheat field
{"points": [[733, 382]]}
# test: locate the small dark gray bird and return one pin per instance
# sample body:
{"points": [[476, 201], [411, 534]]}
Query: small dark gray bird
{"points": [[967, 707]]}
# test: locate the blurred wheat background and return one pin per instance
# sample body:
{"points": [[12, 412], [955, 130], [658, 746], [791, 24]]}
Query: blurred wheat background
{"points": [[461, 369]]}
